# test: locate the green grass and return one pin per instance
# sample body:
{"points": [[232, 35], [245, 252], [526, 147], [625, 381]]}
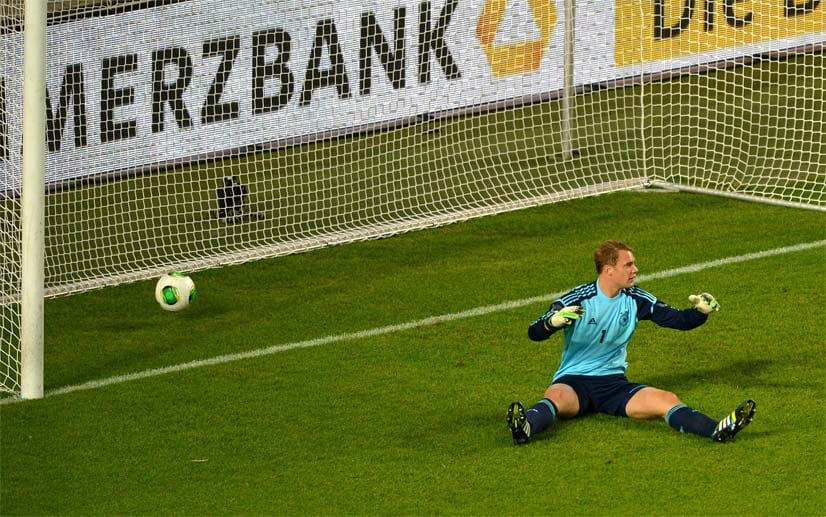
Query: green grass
{"points": [[412, 422]]}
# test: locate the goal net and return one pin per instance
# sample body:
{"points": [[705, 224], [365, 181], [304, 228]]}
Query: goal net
{"points": [[11, 65], [190, 134]]}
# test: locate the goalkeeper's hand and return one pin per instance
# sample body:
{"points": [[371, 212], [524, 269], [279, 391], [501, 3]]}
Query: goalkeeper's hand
{"points": [[565, 316], [704, 303]]}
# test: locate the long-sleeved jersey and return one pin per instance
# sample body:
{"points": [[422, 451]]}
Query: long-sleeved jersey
{"points": [[596, 343]]}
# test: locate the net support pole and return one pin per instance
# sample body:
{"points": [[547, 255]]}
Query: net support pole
{"points": [[568, 99], [33, 199]]}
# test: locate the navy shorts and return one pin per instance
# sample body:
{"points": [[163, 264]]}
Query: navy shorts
{"points": [[601, 393]]}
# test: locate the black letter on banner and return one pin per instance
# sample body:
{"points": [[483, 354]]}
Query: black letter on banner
{"points": [[660, 30], [228, 49], [170, 93], [433, 38], [71, 89], [394, 63], [732, 18], [261, 70], [326, 34], [792, 9], [4, 129], [111, 98], [708, 23]]}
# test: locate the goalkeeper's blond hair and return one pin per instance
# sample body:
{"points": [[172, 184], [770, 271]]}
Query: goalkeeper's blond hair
{"points": [[607, 254]]}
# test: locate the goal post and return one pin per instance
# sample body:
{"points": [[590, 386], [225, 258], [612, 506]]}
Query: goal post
{"points": [[184, 135], [568, 92], [33, 200]]}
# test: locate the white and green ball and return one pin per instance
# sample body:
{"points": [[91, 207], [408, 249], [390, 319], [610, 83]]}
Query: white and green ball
{"points": [[175, 291]]}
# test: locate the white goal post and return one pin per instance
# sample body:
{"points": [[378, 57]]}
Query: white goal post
{"points": [[32, 217], [142, 136]]}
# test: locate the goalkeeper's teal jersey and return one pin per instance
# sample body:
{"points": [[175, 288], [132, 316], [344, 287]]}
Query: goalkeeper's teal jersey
{"points": [[596, 343]]}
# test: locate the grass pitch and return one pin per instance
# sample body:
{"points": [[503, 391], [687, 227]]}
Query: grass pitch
{"points": [[411, 420]]}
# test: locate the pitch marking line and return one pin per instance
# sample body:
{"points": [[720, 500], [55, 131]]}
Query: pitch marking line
{"points": [[426, 322]]}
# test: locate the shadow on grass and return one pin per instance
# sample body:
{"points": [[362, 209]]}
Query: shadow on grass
{"points": [[752, 372]]}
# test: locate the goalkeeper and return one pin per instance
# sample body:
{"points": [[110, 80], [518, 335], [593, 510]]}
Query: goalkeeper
{"points": [[597, 320]]}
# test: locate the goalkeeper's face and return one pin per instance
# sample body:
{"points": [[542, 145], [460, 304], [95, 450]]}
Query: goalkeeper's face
{"points": [[624, 272]]}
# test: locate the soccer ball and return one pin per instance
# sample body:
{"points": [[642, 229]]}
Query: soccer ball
{"points": [[175, 291]]}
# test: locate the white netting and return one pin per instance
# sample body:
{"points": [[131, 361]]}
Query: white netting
{"points": [[11, 52], [748, 118]]}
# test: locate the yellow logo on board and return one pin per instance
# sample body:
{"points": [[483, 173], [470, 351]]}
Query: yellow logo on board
{"points": [[515, 58], [647, 30]]}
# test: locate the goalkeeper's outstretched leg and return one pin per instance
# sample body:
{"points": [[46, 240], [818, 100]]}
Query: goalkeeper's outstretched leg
{"points": [[735, 422], [518, 423]]}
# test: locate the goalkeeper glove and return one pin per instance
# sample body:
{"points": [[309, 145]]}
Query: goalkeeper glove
{"points": [[704, 303], [565, 316]]}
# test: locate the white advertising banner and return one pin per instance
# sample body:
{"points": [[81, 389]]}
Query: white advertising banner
{"points": [[198, 78]]}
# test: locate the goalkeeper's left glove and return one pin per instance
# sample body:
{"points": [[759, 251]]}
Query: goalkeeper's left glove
{"points": [[704, 303], [565, 316]]}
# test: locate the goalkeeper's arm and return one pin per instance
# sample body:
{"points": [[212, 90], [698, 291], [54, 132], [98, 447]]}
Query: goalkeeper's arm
{"points": [[557, 317], [704, 303], [666, 316]]}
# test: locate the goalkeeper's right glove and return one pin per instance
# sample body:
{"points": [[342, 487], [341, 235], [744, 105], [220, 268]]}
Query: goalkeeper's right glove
{"points": [[565, 316], [704, 303]]}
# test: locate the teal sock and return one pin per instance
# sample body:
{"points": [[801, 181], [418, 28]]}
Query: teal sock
{"points": [[541, 415], [687, 420]]}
